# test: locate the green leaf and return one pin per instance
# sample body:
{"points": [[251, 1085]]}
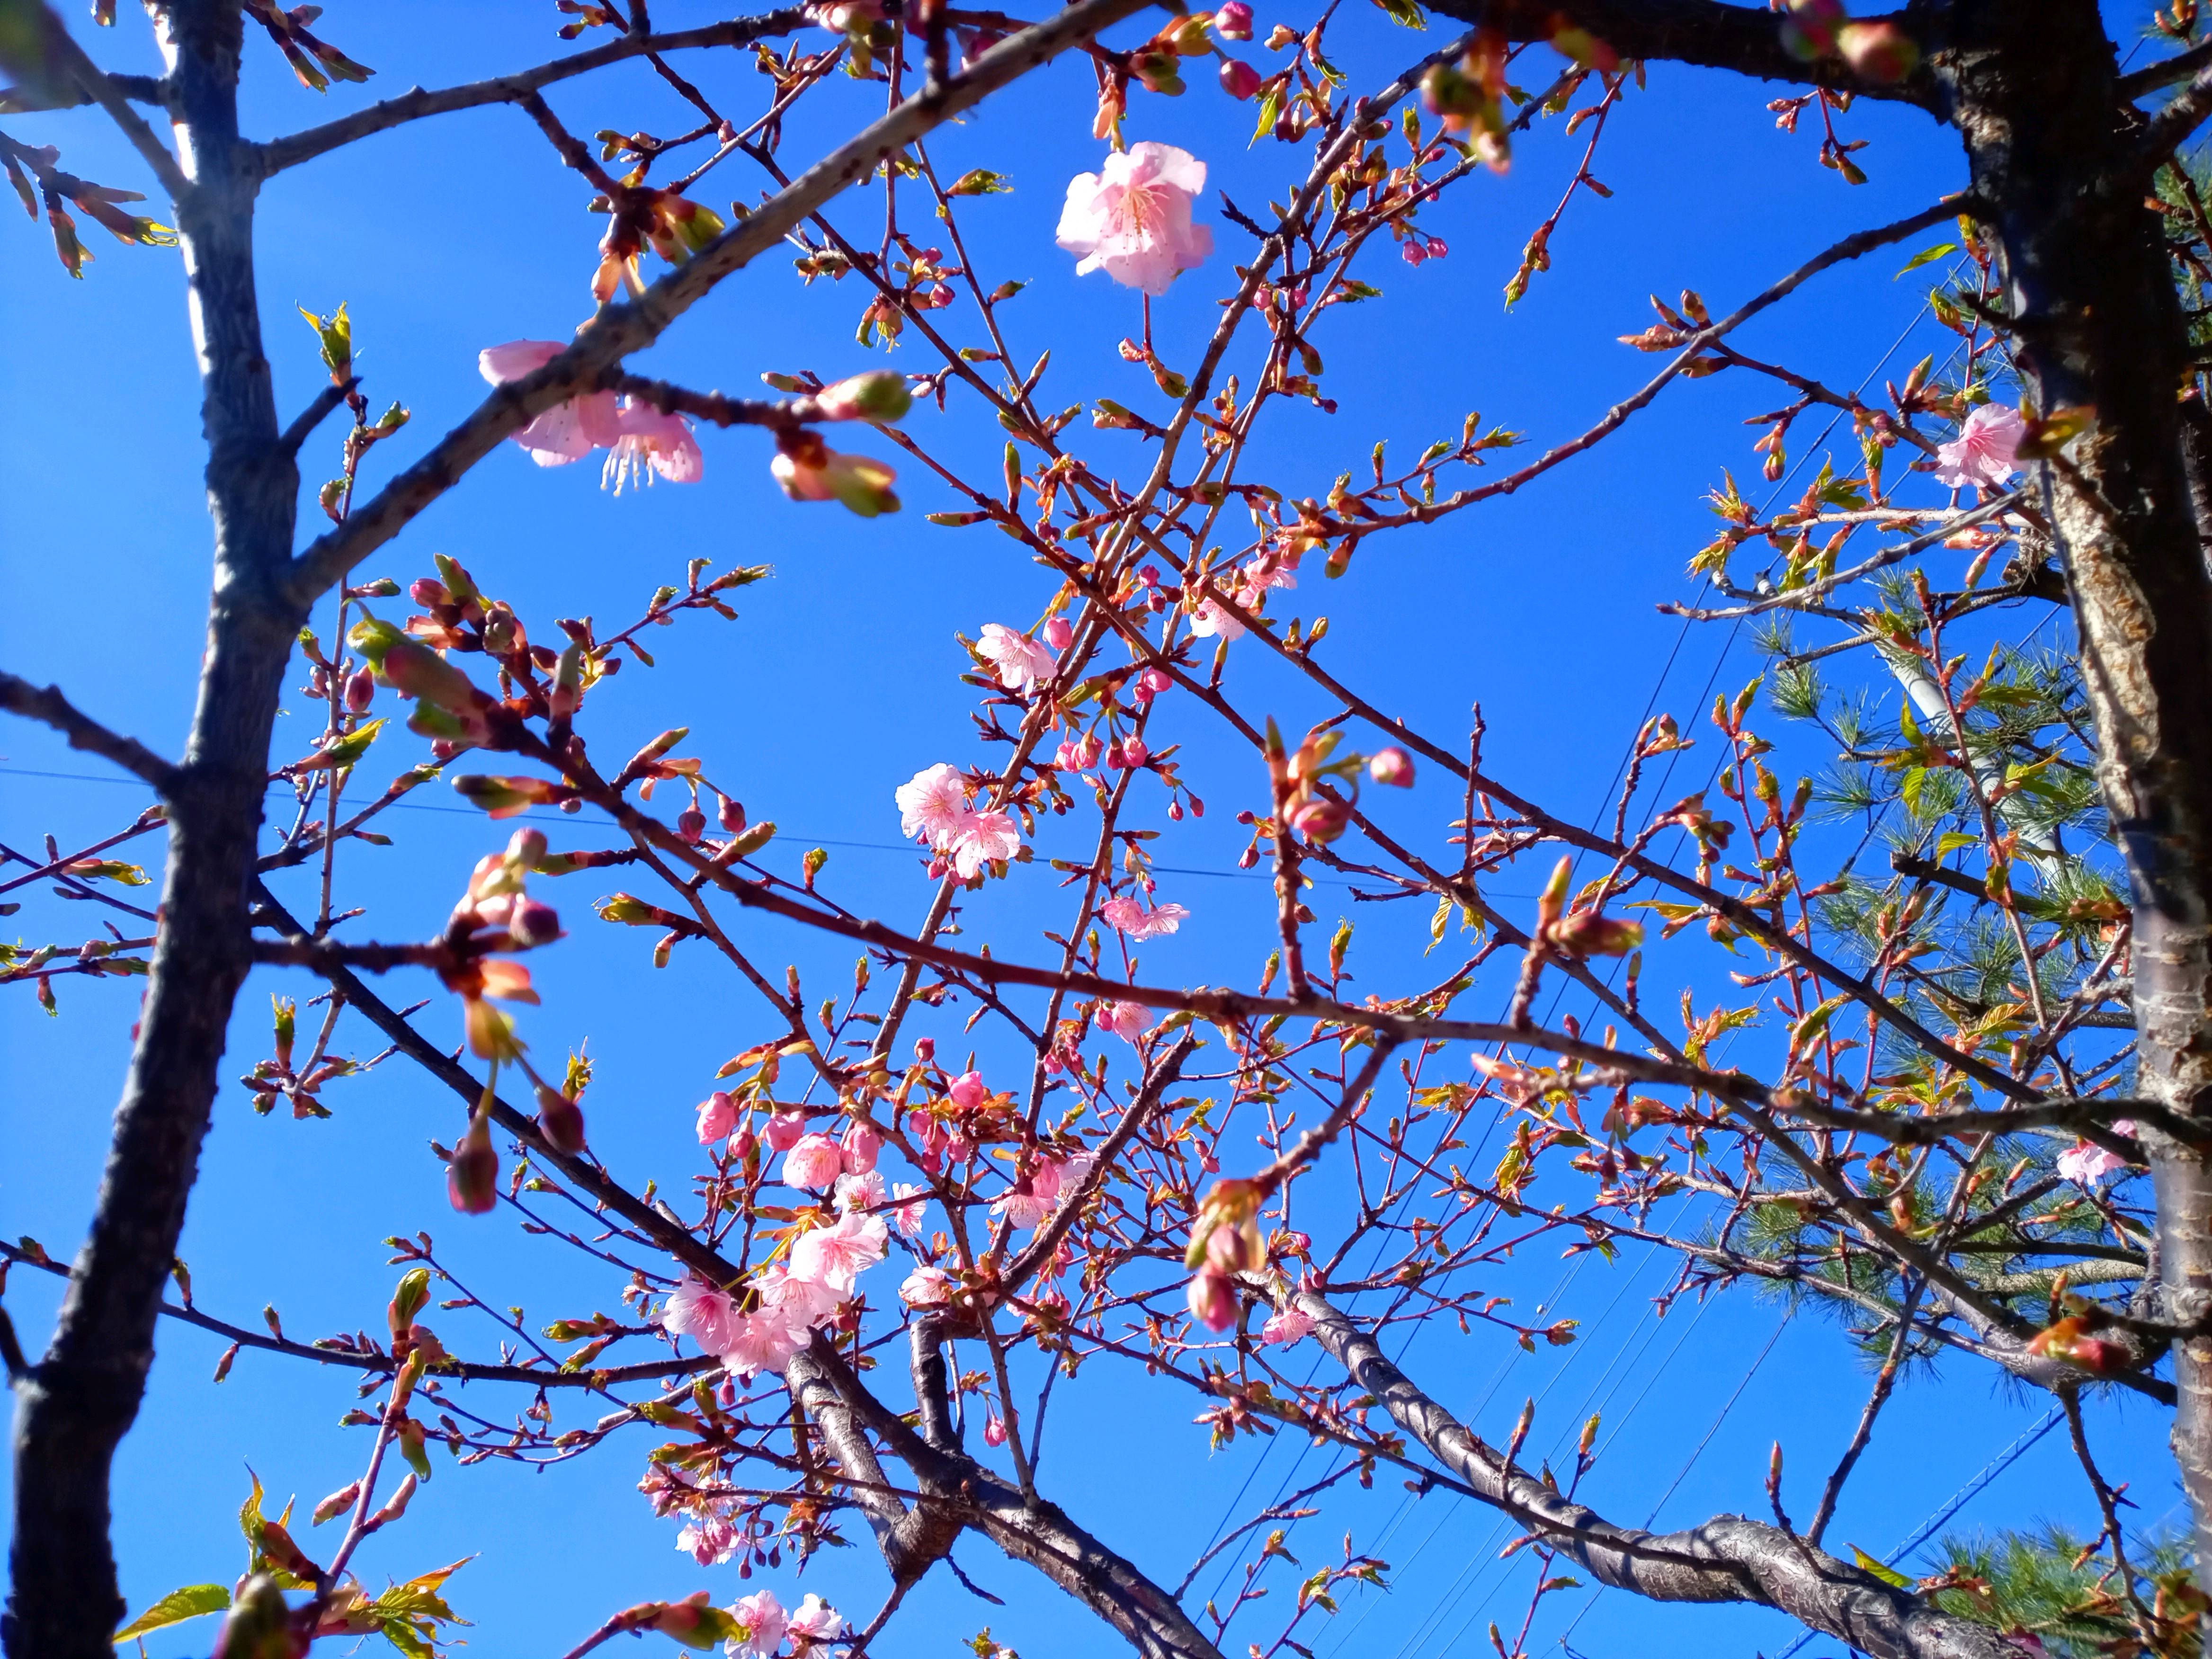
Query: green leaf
{"points": [[1888, 1574], [1928, 256], [980, 181], [1404, 13], [192, 1601], [109, 869]]}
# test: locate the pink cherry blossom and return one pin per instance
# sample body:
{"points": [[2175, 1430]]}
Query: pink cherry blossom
{"points": [[652, 444], [1210, 619], [764, 1621], [1983, 452], [912, 1209], [567, 432], [710, 1540], [799, 1303], [718, 1115], [1287, 1327], [981, 839], [786, 1129], [1077, 754], [1149, 684], [860, 1192], [1125, 1020], [2085, 1162], [1058, 634], [815, 1163], [816, 1621], [1130, 916], [1212, 1298], [836, 1257], [932, 805], [764, 1341], [995, 1430], [967, 1090], [696, 1309], [1021, 661], [861, 1144], [1131, 219], [926, 1288]]}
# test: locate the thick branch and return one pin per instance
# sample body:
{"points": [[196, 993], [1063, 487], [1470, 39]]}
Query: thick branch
{"points": [[1727, 1559]]}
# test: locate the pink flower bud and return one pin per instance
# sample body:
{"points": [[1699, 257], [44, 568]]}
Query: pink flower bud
{"points": [[967, 1090], [1213, 1299], [361, 690], [860, 1145], [472, 1177], [786, 1130], [1392, 765], [1150, 684], [994, 1431], [1058, 634], [730, 814], [561, 1121], [427, 591], [1318, 818], [1414, 251], [691, 824], [1880, 52], [1438, 247], [1239, 79], [879, 395], [925, 1049], [1234, 22], [718, 1115]]}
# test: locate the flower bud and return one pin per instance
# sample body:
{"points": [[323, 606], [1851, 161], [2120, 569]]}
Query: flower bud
{"points": [[1318, 818], [410, 1299], [1213, 1299], [336, 1503], [1239, 79], [561, 1121], [361, 690], [258, 1624], [994, 1431], [730, 814], [473, 1176], [429, 591], [1392, 765], [1880, 52], [1587, 933], [1058, 634], [786, 1130], [879, 395], [691, 824], [861, 1146], [1234, 22]]}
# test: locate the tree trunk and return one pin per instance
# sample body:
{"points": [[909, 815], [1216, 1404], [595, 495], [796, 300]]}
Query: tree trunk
{"points": [[82, 1396], [2097, 325]]}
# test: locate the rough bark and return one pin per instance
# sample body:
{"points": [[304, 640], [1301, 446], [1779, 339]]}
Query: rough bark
{"points": [[1729, 1558], [2058, 158], [82, 1397]]}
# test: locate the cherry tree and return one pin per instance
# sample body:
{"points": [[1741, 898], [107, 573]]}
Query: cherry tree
{"points": [[1969, 1099]]}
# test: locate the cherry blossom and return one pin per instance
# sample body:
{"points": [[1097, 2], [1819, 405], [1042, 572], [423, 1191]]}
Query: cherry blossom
{"points": [[1287, 1327], [1125, 1020], [1028, 1210], [764, 1621], [1129, 915], [931, 805], [982, 838], [815, 1621], [1983, 452], [926, 1288], [567, 432], [859, 1192], [995, 1430], [710, 1541], [1077, 754], [652, 444], [718, 1116], [1131, 219], [1021, 661], [815, 1163], [763, 1342], [967, 1090], [913, 1208], [696, 1309], [836, 1257], [784, 1130], [799, 1303], [1209, 618], [2086, 1163], [861, 483]]}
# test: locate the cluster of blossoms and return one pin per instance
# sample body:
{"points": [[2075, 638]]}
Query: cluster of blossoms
{"points": [[1129, 916], [755, 1626], [641, 441], [1022, 661], [934, 806]]}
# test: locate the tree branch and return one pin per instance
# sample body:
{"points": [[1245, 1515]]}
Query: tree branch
{"points": [[51, 708], [1728, 1558]]}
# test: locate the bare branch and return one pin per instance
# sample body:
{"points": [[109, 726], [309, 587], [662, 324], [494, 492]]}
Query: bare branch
{"points": [[50, 707]]}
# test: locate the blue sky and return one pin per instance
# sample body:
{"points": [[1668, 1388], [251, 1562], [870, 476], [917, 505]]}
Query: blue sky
{"points": [[840, 681]]}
